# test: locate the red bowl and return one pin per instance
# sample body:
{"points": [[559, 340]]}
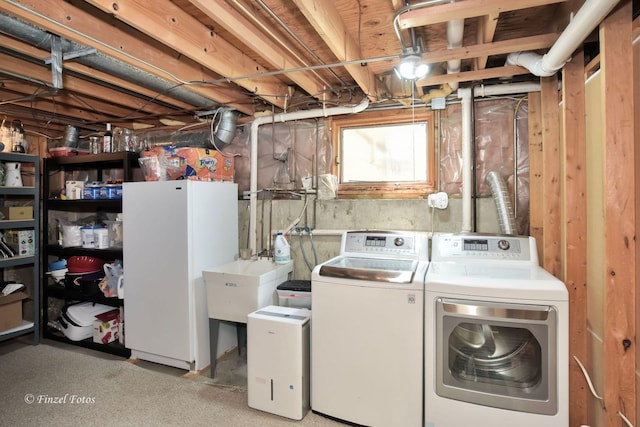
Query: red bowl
{"points": [[84, 264]]}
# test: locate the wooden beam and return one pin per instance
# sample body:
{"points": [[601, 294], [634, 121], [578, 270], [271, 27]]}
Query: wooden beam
{"points": [[620, 216], [117, 40], [574, 194], [636, 131], [424, 16], [175, 28], [550, 100], [468, 76], [536, 188], [488, 49], [487, 25], [228, 18], [325, 18]]}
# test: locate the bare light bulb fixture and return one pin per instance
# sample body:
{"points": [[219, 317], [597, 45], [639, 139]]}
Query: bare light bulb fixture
{"points": [[410, 67]]}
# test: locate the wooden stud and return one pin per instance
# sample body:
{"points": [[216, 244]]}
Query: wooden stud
{"points": [[575, 244], [535, 171], [620, 203], [551, 175]]}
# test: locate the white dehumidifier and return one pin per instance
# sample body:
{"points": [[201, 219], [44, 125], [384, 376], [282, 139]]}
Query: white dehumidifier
{"points": [[278, 360]]}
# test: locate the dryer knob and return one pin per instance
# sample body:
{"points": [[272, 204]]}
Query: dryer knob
{"points": [[398, 241], [504, 244]]}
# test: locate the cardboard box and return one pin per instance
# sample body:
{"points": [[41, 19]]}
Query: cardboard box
{"points": [[17, 212], [106, 327], [11, 310], [21, 242]]}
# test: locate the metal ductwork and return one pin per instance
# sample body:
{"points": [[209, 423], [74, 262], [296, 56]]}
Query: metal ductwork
{"points": [[226, 128], [504, 206], [37, 37]]}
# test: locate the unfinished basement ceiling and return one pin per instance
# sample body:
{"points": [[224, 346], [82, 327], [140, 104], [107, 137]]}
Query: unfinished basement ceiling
{"points": [[137, 63]]}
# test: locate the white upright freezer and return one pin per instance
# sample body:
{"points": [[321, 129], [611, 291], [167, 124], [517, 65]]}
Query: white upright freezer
{"points": [[172, 231]]}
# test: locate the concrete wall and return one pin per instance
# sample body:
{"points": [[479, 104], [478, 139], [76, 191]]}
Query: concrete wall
{"points": [[327, 218]]}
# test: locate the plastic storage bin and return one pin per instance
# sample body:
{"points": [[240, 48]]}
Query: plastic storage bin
{"points": [[295, 293]]}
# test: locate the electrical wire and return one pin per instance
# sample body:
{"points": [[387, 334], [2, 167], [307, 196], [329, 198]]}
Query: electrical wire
{"points": [[625, 419], [589, 383]]}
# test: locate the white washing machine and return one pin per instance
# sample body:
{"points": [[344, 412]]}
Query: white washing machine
{"points": [[367, 331], [496, 335]]}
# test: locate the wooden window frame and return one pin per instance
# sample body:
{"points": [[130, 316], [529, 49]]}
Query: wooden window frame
{"points": [[388, 190]]}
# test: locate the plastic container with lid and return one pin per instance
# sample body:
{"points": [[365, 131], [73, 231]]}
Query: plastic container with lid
{"points": [[281, 250], [295, 293]]}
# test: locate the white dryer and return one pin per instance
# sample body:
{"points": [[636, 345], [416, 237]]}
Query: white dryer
{"points": [[496, 335], [367, 331]]}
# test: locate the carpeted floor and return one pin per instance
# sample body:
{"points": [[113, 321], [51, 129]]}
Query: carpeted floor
{"points": [[63, 385]]}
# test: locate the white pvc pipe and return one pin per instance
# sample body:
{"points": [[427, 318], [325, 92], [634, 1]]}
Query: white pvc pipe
{"points": [[455, 33], [583, 23], [467, 143], [506, 89], [282, 117]]}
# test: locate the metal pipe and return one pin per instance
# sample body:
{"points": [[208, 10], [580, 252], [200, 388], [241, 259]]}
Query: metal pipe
{"points": [[37, 37], [500, 193]]}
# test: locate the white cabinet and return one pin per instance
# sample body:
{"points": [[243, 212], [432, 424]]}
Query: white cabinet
{"points": [[173, 230]]}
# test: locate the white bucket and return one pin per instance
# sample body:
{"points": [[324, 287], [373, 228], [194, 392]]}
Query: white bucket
{"points": [[101, 238], [88, 237]]}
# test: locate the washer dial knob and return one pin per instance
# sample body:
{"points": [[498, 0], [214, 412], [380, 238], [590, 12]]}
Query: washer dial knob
{"points": [[503, 244], [398, 241]]}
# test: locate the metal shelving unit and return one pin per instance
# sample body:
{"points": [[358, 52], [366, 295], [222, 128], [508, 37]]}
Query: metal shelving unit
{"points": [[30, 193], [95, 164]]}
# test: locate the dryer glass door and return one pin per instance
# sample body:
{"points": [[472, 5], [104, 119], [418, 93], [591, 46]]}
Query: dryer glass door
{"points": [[496, 354]]}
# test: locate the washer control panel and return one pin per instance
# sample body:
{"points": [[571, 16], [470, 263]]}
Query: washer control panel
{"points": [[483, 247], [385, 243]]}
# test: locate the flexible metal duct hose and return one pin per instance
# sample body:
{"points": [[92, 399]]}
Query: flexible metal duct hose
{"points": [[504, 206], [226, 128]]}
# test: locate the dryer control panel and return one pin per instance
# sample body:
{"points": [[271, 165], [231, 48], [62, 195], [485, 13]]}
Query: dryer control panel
{"points": [[485, 247]]}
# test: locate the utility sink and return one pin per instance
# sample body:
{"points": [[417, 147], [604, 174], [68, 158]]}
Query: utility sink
{"points": [[236, 289]]}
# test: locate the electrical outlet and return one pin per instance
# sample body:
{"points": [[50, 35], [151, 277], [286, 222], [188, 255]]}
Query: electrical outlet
{"points": [[438, 200]]}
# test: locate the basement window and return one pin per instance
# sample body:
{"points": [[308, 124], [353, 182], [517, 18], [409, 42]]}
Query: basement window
{"points": [[385, 155]]}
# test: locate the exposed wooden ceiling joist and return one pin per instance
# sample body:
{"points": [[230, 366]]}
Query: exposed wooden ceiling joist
{"points": [[278, 58], [464, 9], [469, 76], [324, 17], [178, 30], [487, 25], [74, 22], [196, 56]]}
